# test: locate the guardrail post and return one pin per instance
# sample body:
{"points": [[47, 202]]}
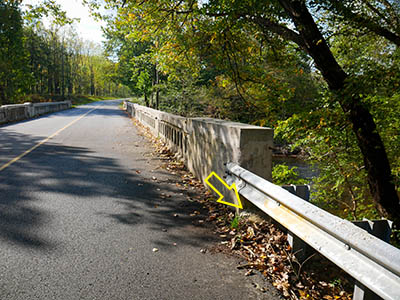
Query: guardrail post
{"points": [[382, 230], [300, 248]]}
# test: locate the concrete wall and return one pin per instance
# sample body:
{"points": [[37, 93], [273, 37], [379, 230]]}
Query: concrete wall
{"points": [[18, 112], [207, 144]]}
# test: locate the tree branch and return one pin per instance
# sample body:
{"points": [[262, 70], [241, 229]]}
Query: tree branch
{"points": [[365, 22], [376, 11], [281, 30]]}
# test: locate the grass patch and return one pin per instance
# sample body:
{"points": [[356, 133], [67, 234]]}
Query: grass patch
{"points": [[137, 100], [76, 99], [235, 223], [82, 99]]}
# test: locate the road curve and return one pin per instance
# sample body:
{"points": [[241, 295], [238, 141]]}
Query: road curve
{"points": [[80, 215]]}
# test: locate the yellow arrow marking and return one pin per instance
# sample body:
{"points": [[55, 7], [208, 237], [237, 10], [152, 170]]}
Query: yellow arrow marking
{"points": [[233, 186], [44, 141]]}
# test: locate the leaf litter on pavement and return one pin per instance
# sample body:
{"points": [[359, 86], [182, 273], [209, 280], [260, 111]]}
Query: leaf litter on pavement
{"points": [[262, 243]]}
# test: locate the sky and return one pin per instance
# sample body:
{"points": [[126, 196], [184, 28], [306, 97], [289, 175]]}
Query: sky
{"points": [[87, 28]]}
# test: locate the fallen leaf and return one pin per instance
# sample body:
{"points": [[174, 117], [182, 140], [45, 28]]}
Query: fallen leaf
{"points": [[233, 243], [250, 232]]}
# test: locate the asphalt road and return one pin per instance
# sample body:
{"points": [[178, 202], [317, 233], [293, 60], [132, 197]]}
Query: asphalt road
{"points": [[81, 213]]}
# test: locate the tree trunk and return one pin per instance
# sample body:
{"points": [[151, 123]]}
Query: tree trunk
{"points": [[157, 89], [49, 81], [376, 162], [62, 70], [92, 87], [32, 61], [70, 76], [2, 95], [56, 79]]}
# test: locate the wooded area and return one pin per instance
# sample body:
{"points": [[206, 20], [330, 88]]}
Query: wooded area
{"points": [[39, 63], [324, 74]]}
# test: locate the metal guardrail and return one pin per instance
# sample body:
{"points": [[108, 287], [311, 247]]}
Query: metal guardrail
{"points": [[369, 260]]}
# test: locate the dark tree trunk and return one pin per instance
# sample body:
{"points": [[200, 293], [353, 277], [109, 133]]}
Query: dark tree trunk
{"points": [[62, 71], [42, 85], [376, 162], [32, 62], [92, 87], [157, 80], [56, 79], [2, 95], [70, 76], [49, 81]]}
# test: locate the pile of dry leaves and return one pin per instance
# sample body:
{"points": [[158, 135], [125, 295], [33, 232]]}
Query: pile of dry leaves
{"points": [[261, 243]]}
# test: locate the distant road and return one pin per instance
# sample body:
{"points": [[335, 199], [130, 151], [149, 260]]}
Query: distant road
{"points": [[80, 215]]}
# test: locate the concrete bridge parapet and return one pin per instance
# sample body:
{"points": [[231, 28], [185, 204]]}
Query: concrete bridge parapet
{"points": [[207, 144], [19, 112]]}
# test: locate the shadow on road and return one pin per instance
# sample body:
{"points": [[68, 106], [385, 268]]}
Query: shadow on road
{"points": [[81, 174]]}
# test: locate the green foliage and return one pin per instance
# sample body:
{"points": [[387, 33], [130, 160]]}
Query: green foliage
{"points": [[395, 238], [238, 75], [38, 63], [235, 222], [47, 8], [136, 100], [185, 96], [283, 175], [327, 135], [14, 74], [83, 99]]}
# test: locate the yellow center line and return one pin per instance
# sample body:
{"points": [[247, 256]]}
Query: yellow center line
{"points": [[45, 140]]}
